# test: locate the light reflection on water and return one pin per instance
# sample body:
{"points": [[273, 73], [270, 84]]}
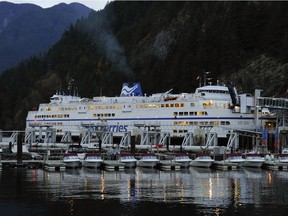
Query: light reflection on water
{"points": [[136, 191]]}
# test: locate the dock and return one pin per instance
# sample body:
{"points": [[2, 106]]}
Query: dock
{"points": [[220, 165], [275, 166], [112, 165], [25, 163], [168, 165], [54, 165]]}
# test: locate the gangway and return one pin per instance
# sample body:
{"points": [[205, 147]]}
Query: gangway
{"points": [[279, 106], [273, 103], [107, 138], [67, 137], [126, 140]]}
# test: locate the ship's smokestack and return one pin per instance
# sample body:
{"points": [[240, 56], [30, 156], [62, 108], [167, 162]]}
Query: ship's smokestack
{"points": [[233, 94]]}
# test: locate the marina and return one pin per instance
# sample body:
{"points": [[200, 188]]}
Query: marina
{"points": [[210, 152], [200, 191]]}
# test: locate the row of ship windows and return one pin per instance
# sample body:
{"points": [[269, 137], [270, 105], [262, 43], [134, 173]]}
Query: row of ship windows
{"points": [[213, 91], [180, 131], [161, 105], [201, 123], [52, 116], [117, 107], [103, 115], [202, 113], [51, 123]]}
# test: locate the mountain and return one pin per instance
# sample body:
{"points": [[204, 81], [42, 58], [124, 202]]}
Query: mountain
{"points": [[163, 45], [27, 29]]}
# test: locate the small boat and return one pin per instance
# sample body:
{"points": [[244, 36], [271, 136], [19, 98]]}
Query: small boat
{"points": [[128, 160], [235, 158], [282, 158], [285, 151], [148, 160], [253, 160], [182, 158], [71, 160], [92, 160], [78, 149], [202, 160]]}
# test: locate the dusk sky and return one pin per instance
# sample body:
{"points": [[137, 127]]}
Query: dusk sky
{"points": [[94, 4]]}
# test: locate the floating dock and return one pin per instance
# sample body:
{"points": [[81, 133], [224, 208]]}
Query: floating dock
{"points": [[168, 165], [111, 165], [54, 165], [221, 165], [275, 166]]}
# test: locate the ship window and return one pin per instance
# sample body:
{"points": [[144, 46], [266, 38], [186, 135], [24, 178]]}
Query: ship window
{"points": [[171, 105], [186, 113], [182, 104], [174, 131], [175, 113], [225, 123], [48, 109], [192, 104], [193, 123], [180, 113], [176, 105]]}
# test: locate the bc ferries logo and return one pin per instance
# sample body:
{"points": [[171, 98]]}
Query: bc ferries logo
{"points": [[131, 89], [112, 128]]}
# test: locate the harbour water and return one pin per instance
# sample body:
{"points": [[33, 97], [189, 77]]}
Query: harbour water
{"points": [[143, 192]]}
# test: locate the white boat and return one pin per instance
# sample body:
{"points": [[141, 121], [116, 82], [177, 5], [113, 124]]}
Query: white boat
{"points": [[285, 151], [92, 160], [148, 160], [253, 160], [78, 149], [235, 158], [182, 158], [218, 107], [202, 160], [71, 160], [282, 158], [128, 160]]}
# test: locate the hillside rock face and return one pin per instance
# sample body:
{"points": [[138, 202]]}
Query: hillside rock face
{"points": [[27, 29], [264, 73]]}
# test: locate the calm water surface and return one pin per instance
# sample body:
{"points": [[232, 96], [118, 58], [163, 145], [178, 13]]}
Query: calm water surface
{"points": [[143, 192]]}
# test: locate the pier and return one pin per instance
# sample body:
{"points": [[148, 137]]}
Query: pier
{"points": [[111, 165]]}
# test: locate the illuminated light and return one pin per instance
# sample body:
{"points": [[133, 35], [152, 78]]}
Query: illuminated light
{"points": [[210, 188], [270, 178]]}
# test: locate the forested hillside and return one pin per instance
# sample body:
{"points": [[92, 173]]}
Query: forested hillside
{"points": [[163, 45], [26, 29]]}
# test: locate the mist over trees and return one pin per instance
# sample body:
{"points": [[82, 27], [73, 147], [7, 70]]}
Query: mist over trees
{"points": [[163, 45]]}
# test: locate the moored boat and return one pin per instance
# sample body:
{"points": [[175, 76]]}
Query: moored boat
{"points": [[78, 149], [148, 160], [182, 158], [128, 160], [235, 159], [71, 160], [202, 160], [92, 160], [253, 160]]}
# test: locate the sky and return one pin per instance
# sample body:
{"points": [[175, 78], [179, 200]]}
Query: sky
{"points": [[94, 4]]}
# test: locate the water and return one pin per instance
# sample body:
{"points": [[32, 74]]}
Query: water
{"points": [[140, 191]]}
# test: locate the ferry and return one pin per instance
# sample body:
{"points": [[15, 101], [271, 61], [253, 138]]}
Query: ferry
{"points": [[216, 107]]}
